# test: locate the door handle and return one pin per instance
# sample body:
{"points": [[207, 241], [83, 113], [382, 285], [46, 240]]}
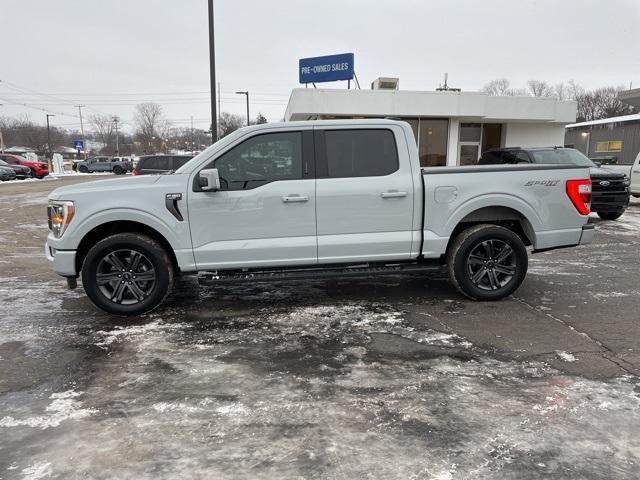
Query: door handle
{"points": [[636, 171], [294, 198], [393, 194]]}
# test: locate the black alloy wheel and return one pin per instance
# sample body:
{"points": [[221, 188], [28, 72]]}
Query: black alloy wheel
{"points": [[125, 276], [487, 262], [491, 264]]}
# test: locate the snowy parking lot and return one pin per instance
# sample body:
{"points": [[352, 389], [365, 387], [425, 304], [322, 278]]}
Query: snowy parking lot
{"points": [[370, 378]]}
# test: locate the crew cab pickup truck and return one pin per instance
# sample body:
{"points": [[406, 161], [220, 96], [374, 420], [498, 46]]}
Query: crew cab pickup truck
{"points": [[313, 199], [104, 164]]}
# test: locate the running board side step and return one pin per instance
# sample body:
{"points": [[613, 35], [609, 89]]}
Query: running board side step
{"points": [[362, 270]]}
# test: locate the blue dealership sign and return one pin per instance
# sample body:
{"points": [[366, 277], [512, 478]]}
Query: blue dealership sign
{"points": [[326, 69], [78, 144]]}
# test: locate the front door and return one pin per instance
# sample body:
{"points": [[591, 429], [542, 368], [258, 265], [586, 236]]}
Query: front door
{"points": [[265, 213], [365, 195]]}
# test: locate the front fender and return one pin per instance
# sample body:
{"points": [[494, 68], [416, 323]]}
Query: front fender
{"points": [[174, 234]]}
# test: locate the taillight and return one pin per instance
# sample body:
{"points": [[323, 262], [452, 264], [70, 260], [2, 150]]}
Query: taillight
{"points": [[135, 172], [579, 192]]}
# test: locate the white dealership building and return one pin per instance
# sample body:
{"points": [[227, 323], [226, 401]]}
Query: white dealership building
{"points": [[451, 127]]}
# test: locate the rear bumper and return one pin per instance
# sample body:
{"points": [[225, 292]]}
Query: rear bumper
{"points": [[587, 234], [63, 262]]}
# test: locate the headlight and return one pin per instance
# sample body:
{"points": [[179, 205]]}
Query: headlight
{"points": [[60, 215]]}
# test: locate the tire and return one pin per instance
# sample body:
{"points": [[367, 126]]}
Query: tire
{"points": [[117, 291], [477, 267], [118, 170], [609, 215], [83, 169], [31, 174]]}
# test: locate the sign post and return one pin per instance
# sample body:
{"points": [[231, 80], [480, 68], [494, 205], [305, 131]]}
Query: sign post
{"points": [[329, 68]]}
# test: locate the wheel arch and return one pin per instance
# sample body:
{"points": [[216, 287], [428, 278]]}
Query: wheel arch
{"points": [[501, 215], [121, 226]]}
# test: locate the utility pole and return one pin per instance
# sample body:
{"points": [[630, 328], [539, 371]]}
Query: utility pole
{"points": [[84, 147], [212, 76], [246, 93], [1, 139], [219, 104], [192, 136], [49, 134], [115, 122]]}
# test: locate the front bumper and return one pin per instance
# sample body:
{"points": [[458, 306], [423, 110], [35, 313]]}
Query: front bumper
{"points": [[63, 262], [587, 234]]}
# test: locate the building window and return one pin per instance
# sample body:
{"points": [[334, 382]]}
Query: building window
{"points": [[606, 147], [432, 142]]}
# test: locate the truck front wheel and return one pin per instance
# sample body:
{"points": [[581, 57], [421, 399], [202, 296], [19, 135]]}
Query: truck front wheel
{"points": [[127, 274], [610, 215], [487, 262]]}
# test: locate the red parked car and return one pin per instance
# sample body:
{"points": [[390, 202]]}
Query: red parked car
{"points": [[38, 169]]}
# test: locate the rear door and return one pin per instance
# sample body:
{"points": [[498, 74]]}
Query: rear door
{"points": [[364, 194], [265, 212]]}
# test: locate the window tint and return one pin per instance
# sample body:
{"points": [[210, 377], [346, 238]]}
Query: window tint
{"points": [[157, 163], [260, 160], [180, 161], [360, 153]]}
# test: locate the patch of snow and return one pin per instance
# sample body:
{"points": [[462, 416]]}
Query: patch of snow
{"points": [[37, 471], [566, 356], [63, 407]]}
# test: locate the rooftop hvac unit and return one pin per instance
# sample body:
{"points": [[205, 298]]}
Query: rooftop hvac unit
{"points": [[385, 83]]}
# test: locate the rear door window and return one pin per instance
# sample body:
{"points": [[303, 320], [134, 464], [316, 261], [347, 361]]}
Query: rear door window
{"points": [[360, 153]]}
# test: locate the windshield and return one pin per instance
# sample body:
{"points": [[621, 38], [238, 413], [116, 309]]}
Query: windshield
{"points": [[562, 156], [207, 152]]}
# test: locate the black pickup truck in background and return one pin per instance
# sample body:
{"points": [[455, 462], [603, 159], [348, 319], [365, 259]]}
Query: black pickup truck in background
{"points": [[610, 189]]}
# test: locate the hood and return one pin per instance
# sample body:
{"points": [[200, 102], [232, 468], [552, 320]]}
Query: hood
{"points": [[598, 172], [116, 185]]}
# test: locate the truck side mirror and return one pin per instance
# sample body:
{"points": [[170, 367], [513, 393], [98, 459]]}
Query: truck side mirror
{"points": [[209, 180]]}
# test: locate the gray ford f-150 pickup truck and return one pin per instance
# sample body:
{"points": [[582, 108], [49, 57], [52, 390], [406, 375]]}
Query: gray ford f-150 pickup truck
{"points": [[313, 199]]}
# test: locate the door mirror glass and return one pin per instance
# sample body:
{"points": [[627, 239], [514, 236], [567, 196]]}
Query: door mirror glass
{"points": [[209, 180]]}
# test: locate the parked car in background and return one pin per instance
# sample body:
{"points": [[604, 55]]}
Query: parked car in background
{"points": [[150, 164], [7, 173], [632, 171], [103, 164], [38, 169], [21, 172], [609, 191]]}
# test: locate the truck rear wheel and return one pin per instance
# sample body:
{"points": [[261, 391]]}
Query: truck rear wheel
{"points": [[127, 274], [487, 262]]}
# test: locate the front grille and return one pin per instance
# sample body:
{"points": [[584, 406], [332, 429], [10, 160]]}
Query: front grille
{"points": [[614, 185]]}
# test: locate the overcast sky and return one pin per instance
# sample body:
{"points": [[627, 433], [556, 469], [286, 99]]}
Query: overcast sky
{"points": [[110, 55]]}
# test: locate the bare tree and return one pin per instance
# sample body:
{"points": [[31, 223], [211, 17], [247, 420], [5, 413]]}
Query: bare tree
{"points": [[260, 119], [499, 86], [104, 128], [601, 103], [229, 122], [151, 126], [540, 88]]}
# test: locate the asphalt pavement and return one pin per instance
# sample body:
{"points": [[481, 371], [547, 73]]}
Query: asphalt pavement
{"points": [[390, 377]]}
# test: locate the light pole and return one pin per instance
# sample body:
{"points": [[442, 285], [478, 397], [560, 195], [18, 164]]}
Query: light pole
{"points": [[212, 76], [49, 134], [116, 119], [1, 139], [247, 94]]}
